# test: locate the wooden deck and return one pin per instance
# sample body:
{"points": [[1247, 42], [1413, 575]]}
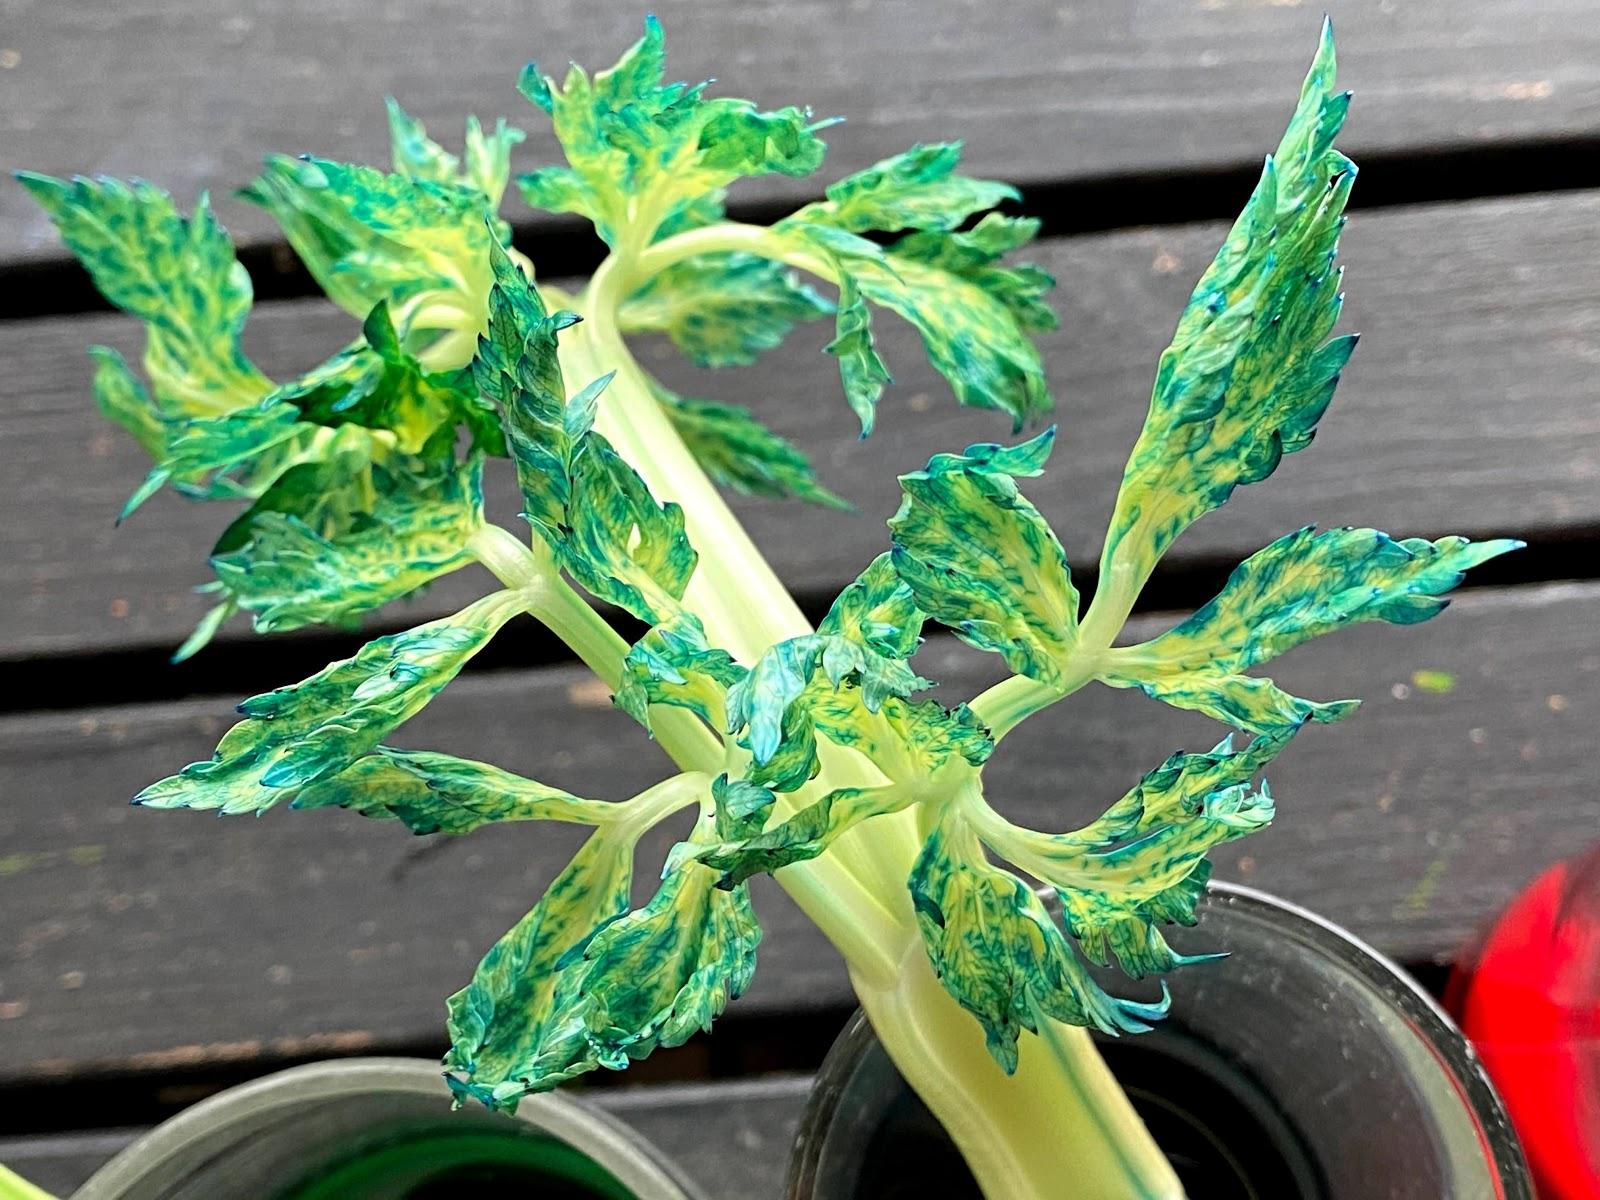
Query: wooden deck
{"points": [[146, 958]]}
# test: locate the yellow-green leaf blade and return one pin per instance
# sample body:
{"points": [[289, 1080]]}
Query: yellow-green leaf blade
{"points": [[722, 310], [980, 559], [512, 1030], [1249, 372], [295, 736], [178, 275], [439, 793], [999, 953], [290, 574], [1302, 586], [805, 835]]}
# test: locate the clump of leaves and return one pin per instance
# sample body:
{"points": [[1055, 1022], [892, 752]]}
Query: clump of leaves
{"points": [[808, 752]]}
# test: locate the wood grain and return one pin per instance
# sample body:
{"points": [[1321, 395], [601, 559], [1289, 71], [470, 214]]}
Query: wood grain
{"points": [[731, 1138], [1468, 408], [143, 941], [192, 93]]}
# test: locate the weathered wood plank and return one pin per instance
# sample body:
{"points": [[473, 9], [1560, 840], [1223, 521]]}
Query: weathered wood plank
{"points": [[191, 93], [731, 1138], [141, 941], [1470, 407]]}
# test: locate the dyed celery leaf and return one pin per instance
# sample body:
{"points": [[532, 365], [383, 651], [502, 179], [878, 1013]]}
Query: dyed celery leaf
{"points": [[805, 835], [488, 156], [974, 315], [974, 256], [206, 628], [592, 508], [1302, 586], [673, 664], [1307, 584], [517, 369], [377, 384], [664, 972], [917, 189], [741, 807], [1173, 792], [878, 612], [415, 154], [298, 735], [1249, 372], [179, 276], [289, 574], [998, 951], [861, 371], [552, 1000], [767, 701], [367, 236], [862, 645], [794, 760], [908, 742], [723, 310], [979, 558], [1244, 701], [488, 160], [330, 493], [641, 152], [438, 793], [1111, 927], [122, 399], [970, 334], [760, 703], [513, 1029], [1143, 863], [622, 545], [737, 451], [238, 453]]}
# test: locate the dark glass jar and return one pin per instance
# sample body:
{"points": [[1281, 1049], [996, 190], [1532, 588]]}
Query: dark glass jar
{"points": [[1304, 1065]]}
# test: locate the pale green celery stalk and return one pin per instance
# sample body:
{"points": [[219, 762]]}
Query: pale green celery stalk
{"points": [[1011, 701], [742, 603], [730, 236], [15, 1187], [649, 808], [1060, 1126], [733, 590], [1118, 591], [551, 600]]}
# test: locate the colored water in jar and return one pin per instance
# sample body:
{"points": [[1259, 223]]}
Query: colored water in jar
{"points": [[430, 1164]]}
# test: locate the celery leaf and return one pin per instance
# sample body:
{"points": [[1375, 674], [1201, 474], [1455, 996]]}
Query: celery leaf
{"points": [[1250, 371], [1302, 586], [979, 558], [304, 733]]}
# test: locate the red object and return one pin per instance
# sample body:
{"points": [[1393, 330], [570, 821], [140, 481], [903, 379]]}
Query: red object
{"points": [[1530, 1002]]}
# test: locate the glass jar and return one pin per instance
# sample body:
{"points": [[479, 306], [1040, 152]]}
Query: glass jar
{"points": [[382, 1129], [1304, 1064]]}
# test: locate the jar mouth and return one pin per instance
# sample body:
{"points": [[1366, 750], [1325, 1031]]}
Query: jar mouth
{"points": [[1427, 1016], [278, 1135], [1304, 1034]]}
